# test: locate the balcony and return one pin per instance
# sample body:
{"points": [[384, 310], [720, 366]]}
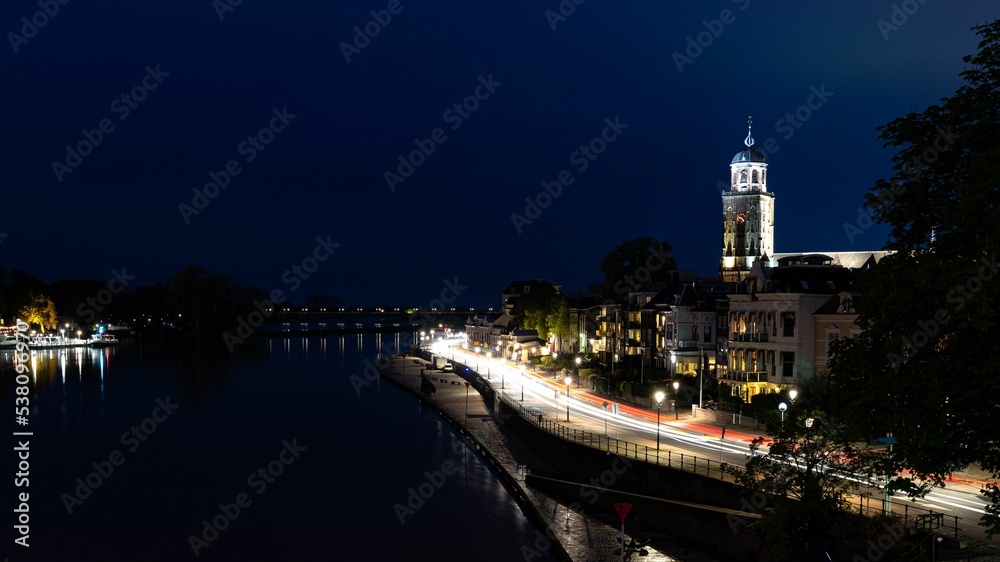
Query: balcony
{"points": [[758, 337], [744, 376]]}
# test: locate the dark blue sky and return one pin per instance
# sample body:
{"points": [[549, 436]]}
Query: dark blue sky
{"points": [[322, 174]]}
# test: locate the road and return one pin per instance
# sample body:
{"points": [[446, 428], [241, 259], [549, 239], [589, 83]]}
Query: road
{"points": [[678, 433]]}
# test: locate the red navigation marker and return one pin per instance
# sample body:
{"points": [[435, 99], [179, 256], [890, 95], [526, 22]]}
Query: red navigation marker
{"points": [[623, 509]]}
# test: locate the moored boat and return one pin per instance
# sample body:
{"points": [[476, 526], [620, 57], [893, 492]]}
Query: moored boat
{"points": [[103, 340]]}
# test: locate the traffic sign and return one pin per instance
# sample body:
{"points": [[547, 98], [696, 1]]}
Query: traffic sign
{"points": [[623, 509], [887, 440]]}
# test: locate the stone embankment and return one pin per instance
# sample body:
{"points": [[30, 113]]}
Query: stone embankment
{"points": [[569, 530]]}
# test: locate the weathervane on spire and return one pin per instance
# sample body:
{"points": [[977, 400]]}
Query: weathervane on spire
{"points": [[749, 140]]}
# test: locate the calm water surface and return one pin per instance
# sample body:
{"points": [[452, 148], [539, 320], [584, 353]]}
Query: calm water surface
{"points": [[331, 498]]}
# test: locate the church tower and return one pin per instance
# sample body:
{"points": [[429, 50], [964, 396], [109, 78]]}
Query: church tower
{"points": [[747, 213]]}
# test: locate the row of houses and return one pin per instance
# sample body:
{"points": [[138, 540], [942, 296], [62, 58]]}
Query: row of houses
{"points": [[768, 332], [765, 324]]}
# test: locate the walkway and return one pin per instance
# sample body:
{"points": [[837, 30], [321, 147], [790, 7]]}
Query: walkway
{"points": [[585, 538]]}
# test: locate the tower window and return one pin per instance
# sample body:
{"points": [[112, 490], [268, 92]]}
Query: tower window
{"points": [[741, 234], [743, 176], [755, 176]]}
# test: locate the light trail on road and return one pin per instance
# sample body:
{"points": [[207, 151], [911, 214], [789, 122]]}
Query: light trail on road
{"points": [[638, 425]]}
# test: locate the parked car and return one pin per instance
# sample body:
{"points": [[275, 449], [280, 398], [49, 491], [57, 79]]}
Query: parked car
{"points": [[448, 368]]}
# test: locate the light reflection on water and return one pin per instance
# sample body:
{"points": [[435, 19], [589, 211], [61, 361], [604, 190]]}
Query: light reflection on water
{"points": [[365, 450]]}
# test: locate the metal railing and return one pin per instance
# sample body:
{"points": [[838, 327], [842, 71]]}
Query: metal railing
{"points": [[921, 518], [744, 376], [760, 337], [622, 448]]}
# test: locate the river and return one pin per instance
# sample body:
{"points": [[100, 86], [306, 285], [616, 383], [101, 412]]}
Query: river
{"points": [[280, 451]]}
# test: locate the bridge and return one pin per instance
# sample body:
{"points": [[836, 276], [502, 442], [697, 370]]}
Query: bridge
{"points": [[385, 315]]}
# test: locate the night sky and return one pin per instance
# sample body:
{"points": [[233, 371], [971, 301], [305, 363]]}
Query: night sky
{"points": [[197, 85]]}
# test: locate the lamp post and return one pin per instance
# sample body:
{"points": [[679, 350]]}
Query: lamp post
{"points": [[642, 363], [701, 381], [568, 380], [606, 420], [792, 394], [677, 387], [466, 404], [659, 400], [577, 361], [522, 383], [489, 355], [782, 407]]}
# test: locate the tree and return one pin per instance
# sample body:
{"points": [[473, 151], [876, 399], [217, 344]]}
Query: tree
{"points": [[801, 486], [17, 288], [632, 264], [531, 310], [40, 310], [537, 319], [924, 366], [557, 318], [204, 302]]}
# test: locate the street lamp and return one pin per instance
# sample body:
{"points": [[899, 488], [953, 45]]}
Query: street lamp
{"points": [[792, 394], [659, 400], [522, 383], [489, 356], [568, 380], [701, 381], [677, 387], [782, 407], [605, 417]]}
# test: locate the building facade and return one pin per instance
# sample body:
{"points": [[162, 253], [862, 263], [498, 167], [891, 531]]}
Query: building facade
{"points": [[747, 214], [772, 329]]}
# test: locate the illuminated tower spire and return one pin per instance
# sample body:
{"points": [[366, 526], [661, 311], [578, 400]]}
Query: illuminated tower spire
{"points": [[747, 212]]}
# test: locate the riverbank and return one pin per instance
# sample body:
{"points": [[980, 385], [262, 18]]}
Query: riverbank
{"points": [[578, 536]]}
